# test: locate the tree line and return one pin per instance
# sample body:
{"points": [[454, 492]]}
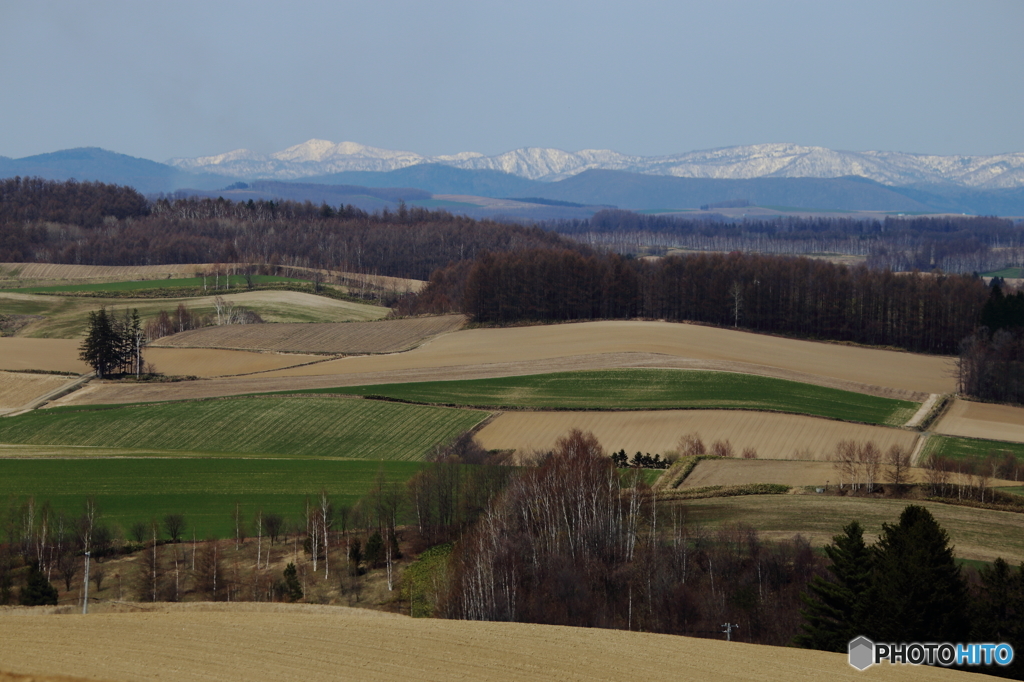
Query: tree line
{"points": [[40, 221], [798, 296], [991, 361], [958, 244]]}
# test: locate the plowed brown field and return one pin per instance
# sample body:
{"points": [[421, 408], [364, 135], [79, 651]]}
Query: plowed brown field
{"points": [[56, 355], [982, 420], [386, 336], [209, 362], [891, 369], [773, 436], [271, 642], [18, 389]]}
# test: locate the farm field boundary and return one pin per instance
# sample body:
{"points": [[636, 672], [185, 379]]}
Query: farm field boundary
{"points": [[289, 426], [227, 642], [634, 389]]}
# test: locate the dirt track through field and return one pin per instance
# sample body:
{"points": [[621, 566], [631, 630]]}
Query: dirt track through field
{"points": [[221, 643], [982, 420], [772, 435], [385, 336]]}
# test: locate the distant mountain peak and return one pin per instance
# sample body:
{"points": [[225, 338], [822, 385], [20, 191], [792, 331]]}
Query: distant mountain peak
{"points": [[322, 157]]}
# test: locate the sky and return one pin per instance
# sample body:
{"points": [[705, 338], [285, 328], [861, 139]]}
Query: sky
{"points": [[183, 79]]}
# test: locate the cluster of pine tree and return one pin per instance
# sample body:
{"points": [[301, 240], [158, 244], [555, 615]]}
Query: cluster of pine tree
{"points": [[640, 460], [112, 345], [909, 588]]}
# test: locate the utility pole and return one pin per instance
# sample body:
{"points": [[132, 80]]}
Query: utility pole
{"points": [[85, 592], [729, 627]]}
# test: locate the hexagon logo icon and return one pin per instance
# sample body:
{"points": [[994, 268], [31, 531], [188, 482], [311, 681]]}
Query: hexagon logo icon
{"points": [[862, 653]]}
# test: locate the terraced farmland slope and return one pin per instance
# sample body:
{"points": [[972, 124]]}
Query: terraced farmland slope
{"points": [[386, 336], [979, 534], [287, 426], [650, 389], [203, 488], [773, 436], [228, 642], [982, 420]]}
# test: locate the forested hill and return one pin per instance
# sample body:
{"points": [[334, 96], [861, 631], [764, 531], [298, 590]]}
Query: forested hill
{"points": [[796, 296], [98, 224]]}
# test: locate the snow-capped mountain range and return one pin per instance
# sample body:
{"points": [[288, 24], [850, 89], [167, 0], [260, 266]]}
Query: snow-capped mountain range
{"points": [[321, 157]]}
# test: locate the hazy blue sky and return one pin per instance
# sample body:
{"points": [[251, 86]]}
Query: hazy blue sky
{"points": [[158, 80]]}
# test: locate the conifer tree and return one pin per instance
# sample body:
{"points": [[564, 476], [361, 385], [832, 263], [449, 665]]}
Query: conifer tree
{"points": [[917, 591], [38, 591], [834, 608]]}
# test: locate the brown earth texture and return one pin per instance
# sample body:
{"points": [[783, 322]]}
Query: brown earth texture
{"points": [[983, 420], [227, 642]]}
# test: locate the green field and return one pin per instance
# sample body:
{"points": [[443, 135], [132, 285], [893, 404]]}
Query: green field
{"points": [[1006, 273], [283, 426], [204, 490], [646, 389], [232, 283], [970, 448]]}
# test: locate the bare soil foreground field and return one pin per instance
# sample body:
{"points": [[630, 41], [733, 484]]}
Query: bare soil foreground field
{"points": [[386, 336], [979, 534], [773, 435], [221, 643], [982, 420], [52, 355], [17, 389], [792, 473], [888, 369]]}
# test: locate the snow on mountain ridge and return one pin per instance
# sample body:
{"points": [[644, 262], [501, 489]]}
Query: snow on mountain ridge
{"points": [[321, 157]]}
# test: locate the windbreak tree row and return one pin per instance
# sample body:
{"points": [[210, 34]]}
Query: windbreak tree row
{"points": [[798, 296]]}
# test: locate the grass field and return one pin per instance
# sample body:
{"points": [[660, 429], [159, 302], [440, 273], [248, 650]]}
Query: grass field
{"points": [[970, 448], [977, 534], [230, 282], [204, 490], [286, 426], [650, 389], [1006, 273]]}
